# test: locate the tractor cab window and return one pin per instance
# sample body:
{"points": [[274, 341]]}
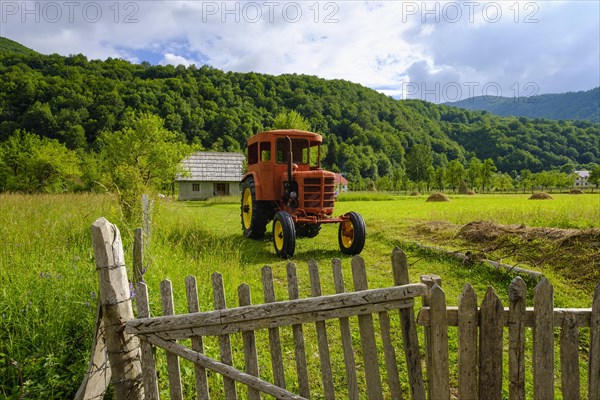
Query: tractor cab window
{"points": [[265, 151], [253, 153], [300, 150]]}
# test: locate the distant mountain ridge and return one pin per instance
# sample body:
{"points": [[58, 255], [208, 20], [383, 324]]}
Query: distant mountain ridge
{"points": [[10, 46], [583, 105]]}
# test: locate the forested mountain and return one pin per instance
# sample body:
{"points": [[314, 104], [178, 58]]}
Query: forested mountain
{"points": [[10, 46], [584, 105], [367, 134]]}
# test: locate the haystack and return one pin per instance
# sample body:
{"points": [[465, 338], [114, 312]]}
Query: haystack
{"points": [[540, 196], [471, 193], [576, 191], [415, 193], [438, 197]]}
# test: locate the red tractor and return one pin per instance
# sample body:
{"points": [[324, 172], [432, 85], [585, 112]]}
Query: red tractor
{"points": [[285, 183]]}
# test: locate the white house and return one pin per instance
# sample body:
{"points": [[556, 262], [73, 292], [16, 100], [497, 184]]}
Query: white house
{"points": [[582, 178], [211, 174]]}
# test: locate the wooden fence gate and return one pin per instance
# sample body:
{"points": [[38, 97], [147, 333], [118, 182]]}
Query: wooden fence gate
{"points": [[371, 366]]}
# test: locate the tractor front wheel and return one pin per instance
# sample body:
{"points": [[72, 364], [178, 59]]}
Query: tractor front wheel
{"points": [[352, 234], [284, 235]]}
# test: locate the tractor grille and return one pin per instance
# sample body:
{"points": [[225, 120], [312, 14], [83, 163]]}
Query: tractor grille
{"points": [[318, 193]]}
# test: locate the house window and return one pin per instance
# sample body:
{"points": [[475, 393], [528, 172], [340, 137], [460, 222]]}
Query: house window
{"points": [[221, 189], [195, 187]]}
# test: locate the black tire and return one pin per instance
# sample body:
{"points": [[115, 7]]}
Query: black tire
{"points": [[308, 230], [284, 235], [254, 215], [352, 234]]}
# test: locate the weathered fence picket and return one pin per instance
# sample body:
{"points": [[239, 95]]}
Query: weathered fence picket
{"points": [[274, 336], [349, 363], [467, 344], [147, 355], [191, 290], [224, 340], [173, 368], [490, 346], [543, 340], [516, 339], [298, 333], [322, 341], [250, 353]]}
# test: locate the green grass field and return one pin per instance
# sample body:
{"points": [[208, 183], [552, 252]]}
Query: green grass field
{"points": [[48, 279]]}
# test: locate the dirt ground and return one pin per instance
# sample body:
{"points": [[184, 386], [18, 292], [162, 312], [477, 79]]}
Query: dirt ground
{"points": [[574, 253]]}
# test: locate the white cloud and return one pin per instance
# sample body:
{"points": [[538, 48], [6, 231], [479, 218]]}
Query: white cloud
{"points": [[383, 45]]}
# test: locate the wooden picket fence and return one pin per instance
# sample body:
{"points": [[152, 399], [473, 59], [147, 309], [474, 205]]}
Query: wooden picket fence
{"points": [[481, 339]]}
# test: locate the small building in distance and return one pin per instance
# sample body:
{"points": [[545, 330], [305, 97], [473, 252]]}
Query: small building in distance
{"points": [[582, 179], [211, 174], [341, 183]]}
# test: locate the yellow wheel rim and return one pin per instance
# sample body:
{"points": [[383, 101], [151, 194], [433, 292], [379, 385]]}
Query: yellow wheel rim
{"points": [[247, 208], [278, 235], [347, 234]]}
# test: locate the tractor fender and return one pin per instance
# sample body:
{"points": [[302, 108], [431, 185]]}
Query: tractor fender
{"points": [[257, 186]]}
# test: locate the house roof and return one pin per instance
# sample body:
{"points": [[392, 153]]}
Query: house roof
{"points": [[583, 174], [339, 179], [214, 167]]}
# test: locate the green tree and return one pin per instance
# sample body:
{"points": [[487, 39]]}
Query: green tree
{"points": [[455, 173], [291, 120], [594, 177], [473, 172], [30, 163], [142, 156], [486, 173], [418, 162]]}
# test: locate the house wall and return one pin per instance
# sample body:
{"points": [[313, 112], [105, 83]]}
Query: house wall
{"points": [[186, 192]]}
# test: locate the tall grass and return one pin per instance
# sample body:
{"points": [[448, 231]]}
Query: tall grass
{"points": [[48, 278]]}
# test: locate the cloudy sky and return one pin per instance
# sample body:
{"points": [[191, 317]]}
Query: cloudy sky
{"points": [[433, 50]]}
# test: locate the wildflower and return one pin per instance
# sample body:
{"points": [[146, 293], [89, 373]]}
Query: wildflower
{"points": [[131, 290], [93, 295]]}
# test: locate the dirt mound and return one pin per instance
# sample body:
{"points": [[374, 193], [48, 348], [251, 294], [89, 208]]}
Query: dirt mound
{"points": [[540, 196], [572, 252], [415, 193], [438, 197], [486, 231], [576, 191]]}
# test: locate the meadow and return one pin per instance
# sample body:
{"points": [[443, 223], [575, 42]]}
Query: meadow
{"points": [[48, 281]]}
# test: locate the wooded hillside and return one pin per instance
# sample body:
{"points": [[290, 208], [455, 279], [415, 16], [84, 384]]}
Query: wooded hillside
{"points": [[584, 105], [367, 134]]}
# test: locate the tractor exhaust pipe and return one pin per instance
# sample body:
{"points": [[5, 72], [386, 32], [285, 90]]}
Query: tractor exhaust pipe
{"points": [[290, 162]]}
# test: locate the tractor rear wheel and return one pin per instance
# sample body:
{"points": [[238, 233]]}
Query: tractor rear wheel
{"points": [[254, 214], [284, 235], [308, 230], [352, 234]]}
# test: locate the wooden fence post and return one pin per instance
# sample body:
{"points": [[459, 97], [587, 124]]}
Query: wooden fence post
{"points": [[115, 298]]}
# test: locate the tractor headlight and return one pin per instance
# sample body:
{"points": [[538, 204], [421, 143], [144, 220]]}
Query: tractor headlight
{"points": [[293, 195]]}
